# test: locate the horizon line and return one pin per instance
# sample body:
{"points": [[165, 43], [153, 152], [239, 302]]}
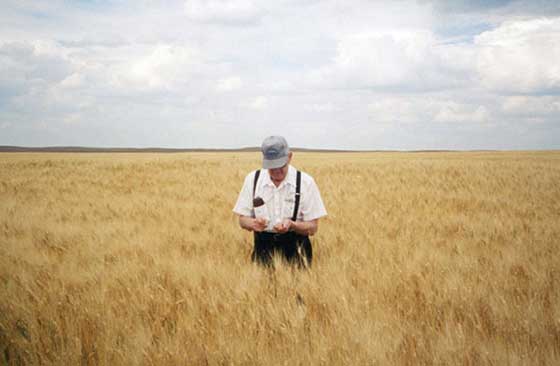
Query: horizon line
{"points": [[89, 149]]}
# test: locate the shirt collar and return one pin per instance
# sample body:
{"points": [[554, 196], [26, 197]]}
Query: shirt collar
{"points": [[290, 178]]}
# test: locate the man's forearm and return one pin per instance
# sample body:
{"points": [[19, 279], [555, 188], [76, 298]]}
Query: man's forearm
{"points": [[300, 227], [305, 227], [246, 222]]}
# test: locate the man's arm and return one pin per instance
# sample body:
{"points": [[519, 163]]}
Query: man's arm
{"points": [[300, 227], [252, 224], [306, 227]]}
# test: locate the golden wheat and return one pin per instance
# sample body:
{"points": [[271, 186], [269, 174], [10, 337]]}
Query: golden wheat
{"points": [[137, 259]]}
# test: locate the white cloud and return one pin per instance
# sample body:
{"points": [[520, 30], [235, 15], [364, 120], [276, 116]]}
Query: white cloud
{"points": [[322, 107], [396, 74], [27, 65], [424, 110], [505, 8], [454, 112], [229, 84], [517, 57], [521, 57], [72, 118], [163, 67], [258, 103], [75, 80], [531, 106], [223, 11], [408, 60]]}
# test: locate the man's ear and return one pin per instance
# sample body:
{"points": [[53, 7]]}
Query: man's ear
{"points": [[290, 154]]}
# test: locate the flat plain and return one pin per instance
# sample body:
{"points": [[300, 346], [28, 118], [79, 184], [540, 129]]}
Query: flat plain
{"points": [[426, 258]]}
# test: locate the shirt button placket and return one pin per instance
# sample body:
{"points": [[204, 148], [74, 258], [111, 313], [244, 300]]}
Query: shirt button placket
{"points": [[277, 205]]}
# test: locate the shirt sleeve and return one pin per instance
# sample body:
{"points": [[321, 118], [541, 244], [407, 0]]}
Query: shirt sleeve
{"points": [[244, 204], [312, 205]]}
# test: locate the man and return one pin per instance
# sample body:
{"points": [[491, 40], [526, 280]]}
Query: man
{"points": [[281, 206]]}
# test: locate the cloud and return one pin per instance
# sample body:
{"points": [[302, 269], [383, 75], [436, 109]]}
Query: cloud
{"points": [[531, 108], [162, 67], [322, 107], [425, 110], [229, 84], [405, 60], [517, 57], [454, 112], [30, 65], [95, 40], [462, 6], [190, 73], [228, 12], [258, 103], [73, 81], [521, 57], [496, 7], [72, 118]]}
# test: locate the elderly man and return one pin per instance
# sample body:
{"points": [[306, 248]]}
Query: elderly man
{"points": [[281, 205]]}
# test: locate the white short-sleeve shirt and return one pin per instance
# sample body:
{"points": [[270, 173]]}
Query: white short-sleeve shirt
{"points": [[280, 201]]}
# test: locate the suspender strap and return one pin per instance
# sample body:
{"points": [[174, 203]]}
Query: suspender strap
{"points": [[298, 189], [257, 173]]}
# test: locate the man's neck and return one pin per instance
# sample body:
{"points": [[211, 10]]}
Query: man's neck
{"points": [[278, 182]]}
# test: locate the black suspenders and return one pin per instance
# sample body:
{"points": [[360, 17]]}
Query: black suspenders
{"points": [[257, 173], [298, 190]]}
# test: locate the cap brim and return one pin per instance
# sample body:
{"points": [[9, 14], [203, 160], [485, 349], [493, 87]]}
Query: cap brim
{"points": [[276, 163]]}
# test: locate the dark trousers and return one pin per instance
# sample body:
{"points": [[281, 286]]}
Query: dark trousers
{"points": [[293, 248]]}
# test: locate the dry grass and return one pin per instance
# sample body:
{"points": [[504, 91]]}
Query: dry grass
{"points": [[425, 259]]}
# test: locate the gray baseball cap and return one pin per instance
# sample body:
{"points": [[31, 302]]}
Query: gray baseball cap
{"points": [[275, 152]]}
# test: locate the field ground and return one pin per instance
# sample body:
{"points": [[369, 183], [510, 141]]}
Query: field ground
{"points": [[136, 259]]}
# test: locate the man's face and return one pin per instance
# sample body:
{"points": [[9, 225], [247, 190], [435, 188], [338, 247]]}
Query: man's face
{"points": [[277, 175]]}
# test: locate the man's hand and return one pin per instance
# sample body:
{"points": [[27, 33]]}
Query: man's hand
{"points": [[251, 224], [284, 226], [259, 224]]}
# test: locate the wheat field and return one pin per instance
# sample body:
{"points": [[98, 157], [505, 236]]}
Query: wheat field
{"points": [[136, 259]]}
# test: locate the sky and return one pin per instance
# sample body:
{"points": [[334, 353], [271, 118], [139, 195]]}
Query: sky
{"points": [[338, 74]]}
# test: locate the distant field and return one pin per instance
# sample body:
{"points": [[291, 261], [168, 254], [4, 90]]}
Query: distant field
{"points": [[136, 259]]}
